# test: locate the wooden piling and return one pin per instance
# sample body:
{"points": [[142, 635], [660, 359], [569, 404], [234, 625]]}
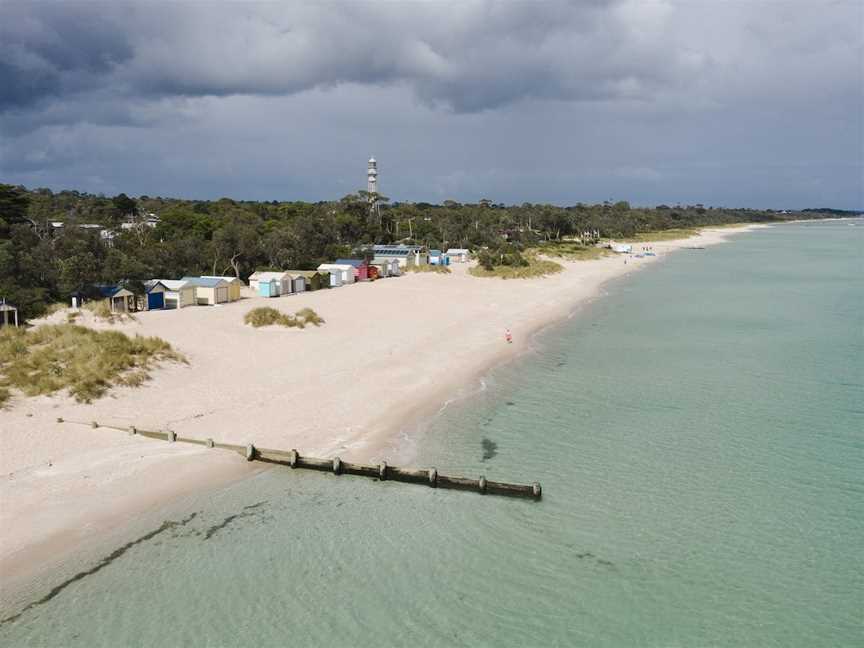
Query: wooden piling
{"points": [[430, 477]]}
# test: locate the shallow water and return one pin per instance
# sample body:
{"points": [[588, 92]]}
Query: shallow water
{"points": [[698, 434]]}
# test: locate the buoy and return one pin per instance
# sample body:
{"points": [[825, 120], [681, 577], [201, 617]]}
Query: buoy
{"points": [[250, 452], [337, 465], [433, 477]]}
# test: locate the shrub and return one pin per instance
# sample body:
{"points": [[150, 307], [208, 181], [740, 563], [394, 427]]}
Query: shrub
{"points": [[266, 316], [101, 309], [85, 362], [534, 266]]}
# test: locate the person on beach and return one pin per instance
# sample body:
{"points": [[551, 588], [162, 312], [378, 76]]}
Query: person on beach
{"points": [[508, 336]]}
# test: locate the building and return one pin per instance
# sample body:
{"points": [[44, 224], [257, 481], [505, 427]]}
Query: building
{"points": [[154, 292], [8, 314], [458, 255], [298, 281], [268, 286], [315, 280], [407, 255], [210, 291], [119, 299], [178, 294], [436, 257], [346, 271], [235, 285], [335, 276], [284, 279], [361, 268]]}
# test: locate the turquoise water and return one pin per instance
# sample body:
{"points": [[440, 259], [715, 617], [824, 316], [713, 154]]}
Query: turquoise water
{"points": [[699, 433]]}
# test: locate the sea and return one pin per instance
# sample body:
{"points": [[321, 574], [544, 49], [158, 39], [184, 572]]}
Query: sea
{"points": [[699, 435]]}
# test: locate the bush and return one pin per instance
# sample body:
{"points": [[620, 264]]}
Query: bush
{"points": [[266, 316], [101, 309], [533, 267], [84, 361]]}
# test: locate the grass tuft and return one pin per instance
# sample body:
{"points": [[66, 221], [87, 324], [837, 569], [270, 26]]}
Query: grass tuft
{"points": [[83, 361], [267, 316]]}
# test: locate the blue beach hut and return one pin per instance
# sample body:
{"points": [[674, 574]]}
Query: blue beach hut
{"points": [[268, 287]]}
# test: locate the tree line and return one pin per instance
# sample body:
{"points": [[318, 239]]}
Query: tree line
{"points": [[42, 262]]}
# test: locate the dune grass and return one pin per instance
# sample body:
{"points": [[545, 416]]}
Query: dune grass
{"points": [[83, 361], [439, 269], [266, 316], [537, 267], [101, 309], [572, 250]]}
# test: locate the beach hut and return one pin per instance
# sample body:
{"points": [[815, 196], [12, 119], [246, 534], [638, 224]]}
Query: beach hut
{"points": [[346, 272], [154, 295], [268, 287], [458, 255], [298, 281], [235, 285], [119, 299], [178, 294], [208, 292], [315, 280], [361, 268], [382, 269], [284, 279], [335, 277], [8, 314], [436, 257]]}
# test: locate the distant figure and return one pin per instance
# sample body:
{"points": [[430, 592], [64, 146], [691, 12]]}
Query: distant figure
{"points": [[508, 336]]}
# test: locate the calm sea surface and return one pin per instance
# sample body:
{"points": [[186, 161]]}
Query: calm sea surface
{"points": [[699, 434]]}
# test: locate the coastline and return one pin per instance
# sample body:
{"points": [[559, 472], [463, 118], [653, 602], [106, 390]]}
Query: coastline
{"points": [[422, 340]]}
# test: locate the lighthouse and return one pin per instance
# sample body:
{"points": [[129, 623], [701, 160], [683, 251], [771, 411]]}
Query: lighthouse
{"points": [[372, 174]]}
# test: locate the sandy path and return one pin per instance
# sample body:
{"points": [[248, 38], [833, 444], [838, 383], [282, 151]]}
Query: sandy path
{"points": [[391, 352]]}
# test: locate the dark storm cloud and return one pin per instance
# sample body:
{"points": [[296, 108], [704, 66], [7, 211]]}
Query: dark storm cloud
{"points": [[647, 100], [465, 56]]}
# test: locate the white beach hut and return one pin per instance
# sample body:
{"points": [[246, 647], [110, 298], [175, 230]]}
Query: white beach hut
{"points": [[285, 280], [346, 271], [178, 294]]}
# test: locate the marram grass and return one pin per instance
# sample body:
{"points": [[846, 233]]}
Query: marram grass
{"points": [[266, 316], [83, 361], [537, 267]]}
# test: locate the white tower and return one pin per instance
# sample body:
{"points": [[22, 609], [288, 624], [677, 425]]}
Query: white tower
{"points": [[372, 173]]}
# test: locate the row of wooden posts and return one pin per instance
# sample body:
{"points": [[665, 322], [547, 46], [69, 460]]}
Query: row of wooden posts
{"points": [[382, 471]]}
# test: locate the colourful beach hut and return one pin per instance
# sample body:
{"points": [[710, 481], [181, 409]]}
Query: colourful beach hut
{"points": [[268, 287]]}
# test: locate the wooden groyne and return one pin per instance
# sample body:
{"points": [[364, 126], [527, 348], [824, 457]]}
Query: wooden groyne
{"points": [[383, 472]]}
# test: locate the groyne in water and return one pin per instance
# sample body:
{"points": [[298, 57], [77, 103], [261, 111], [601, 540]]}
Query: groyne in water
{"points": [[383, 472]]}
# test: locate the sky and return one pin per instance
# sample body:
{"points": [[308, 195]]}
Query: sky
{"points": [[738, 103]]}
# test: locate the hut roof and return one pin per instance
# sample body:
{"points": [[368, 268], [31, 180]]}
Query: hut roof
{"points": [[174, 284], [205, 282], [225, 278], [352, 262]]}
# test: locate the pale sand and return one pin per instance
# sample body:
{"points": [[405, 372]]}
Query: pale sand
{"points": [[389, 354]]}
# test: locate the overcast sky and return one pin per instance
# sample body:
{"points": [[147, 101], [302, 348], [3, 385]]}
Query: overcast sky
{"points": [[737, 103]]}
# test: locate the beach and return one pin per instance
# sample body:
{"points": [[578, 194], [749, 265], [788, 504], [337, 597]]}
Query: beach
{"points": [[390, 353]]}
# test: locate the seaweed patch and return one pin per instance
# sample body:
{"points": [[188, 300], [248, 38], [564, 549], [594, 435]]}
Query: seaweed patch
{"points": [[490, 449], [168, 525]]}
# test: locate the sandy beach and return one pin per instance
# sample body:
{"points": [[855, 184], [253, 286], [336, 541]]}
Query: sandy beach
{"points": [[391, 352]]}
